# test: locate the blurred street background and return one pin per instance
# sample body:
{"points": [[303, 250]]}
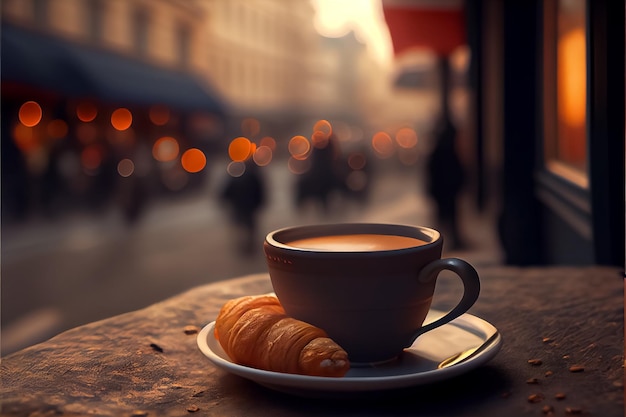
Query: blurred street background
{"points": [[148, 147], [82, 268]]}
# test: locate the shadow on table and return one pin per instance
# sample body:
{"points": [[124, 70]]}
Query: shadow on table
{"points": [[458, 396]]}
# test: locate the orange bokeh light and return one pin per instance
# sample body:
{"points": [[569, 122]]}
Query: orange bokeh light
{"points": [[91, 157], [57, 129], [383, 145], [86, 111], [299, 147], [24, 138], [30, 114], [323, 126], [263, 155], [121, 119], [268, 141], [165, 149], [406, 138], [193, 160], [240, 149], [357, 161], [159, 114]]}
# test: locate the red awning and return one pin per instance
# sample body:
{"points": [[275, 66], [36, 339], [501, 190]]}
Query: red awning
{"points": [[435, 25]]}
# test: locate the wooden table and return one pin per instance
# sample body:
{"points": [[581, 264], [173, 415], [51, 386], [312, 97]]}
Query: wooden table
{"points": [[147, 363]]}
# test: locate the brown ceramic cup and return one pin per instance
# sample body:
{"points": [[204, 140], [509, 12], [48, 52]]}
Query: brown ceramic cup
{"points": [[369, 290]]}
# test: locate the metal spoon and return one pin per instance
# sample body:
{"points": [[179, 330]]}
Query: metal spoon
{"points": [[468, 353]]}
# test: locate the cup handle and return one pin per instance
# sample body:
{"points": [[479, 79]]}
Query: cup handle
{"points": [[471, 284]]}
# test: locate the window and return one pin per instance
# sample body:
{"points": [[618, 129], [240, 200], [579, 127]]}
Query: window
{"points": [[183, 41], [565, 90], [95, 12], [40, 13], [140, 34]]}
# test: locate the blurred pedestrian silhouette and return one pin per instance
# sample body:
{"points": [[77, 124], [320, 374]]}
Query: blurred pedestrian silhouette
{"points": [[132, 198], [323, 178], [245, 196], [446, 179]]}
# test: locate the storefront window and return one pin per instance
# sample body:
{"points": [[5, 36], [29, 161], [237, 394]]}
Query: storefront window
{"points": [[565, 89]]}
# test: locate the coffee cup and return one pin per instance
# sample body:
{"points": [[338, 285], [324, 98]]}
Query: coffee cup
{"points": [[369, 286]]}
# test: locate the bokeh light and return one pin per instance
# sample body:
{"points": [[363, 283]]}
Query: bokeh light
{"points": [[356, 180], [24, 138], [320, 139], [30, 114], [263, 155], [57, 129], [91, 158], [323, 126], [298, 166], [86, 111], [299, 147], [383, 145], [236, 168], [121, 119], [159, 114], [240, 149], [193, 160], [406, 138], [86, 133], [357, 161], [165, 149], [125, 167], [268, 141]]}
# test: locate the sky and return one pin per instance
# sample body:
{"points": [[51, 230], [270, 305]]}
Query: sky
{"points": [[336, 18]]}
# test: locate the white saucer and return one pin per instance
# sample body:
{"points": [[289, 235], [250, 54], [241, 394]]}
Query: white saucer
{"points": [[418, 365]]}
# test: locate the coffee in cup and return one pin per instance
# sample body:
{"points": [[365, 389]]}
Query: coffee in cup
{"points": [[369, 286]]}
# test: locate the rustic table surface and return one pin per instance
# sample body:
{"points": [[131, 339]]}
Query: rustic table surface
{"points": [[147, 362]]}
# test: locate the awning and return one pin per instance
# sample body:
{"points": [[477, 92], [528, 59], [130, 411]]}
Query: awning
{"points": [[52, 64], [438, 26]]}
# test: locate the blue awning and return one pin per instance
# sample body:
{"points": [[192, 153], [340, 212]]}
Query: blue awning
{"points": [[52, 64]]}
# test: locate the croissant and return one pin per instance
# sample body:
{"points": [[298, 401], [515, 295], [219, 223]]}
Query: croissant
{"points": [[255, 331]]}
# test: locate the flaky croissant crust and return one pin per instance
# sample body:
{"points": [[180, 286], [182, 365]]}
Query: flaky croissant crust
{"points": [[255, 331]]}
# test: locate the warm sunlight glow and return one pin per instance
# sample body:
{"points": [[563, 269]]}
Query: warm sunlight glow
{"points": [[572, 77], [365, 17]]}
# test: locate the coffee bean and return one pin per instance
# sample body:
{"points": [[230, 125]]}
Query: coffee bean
{"points": [[156, 347], [532, 381], [559, 396], [191, 329], [139, 413], [573, 410], [576, 368], [193, 408], [535, 398], [547, 340], [547, 409], [548, 373], [535, 362]]}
